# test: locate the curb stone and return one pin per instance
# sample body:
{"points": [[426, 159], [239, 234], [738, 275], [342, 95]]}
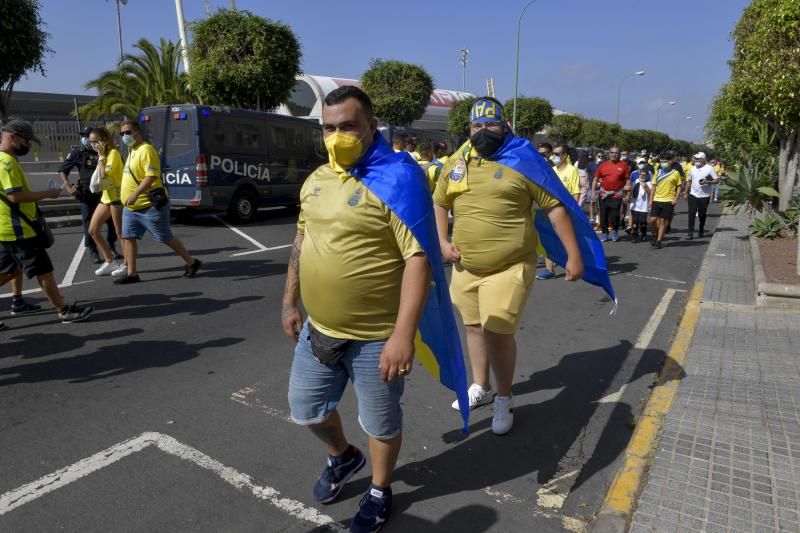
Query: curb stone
{"points": [[621, 499], [770, 294]]}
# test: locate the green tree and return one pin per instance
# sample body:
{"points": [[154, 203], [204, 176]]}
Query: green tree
{"points": [[150, 77], [23, 45], [458, 117], [243, 60], [597, 133], [765, 77], [738, 134], [533, 114], [566, 128], [399, 91]]}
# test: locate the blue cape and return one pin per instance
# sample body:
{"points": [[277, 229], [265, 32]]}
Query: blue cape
{"points": [[402, 185], [518, 154]]}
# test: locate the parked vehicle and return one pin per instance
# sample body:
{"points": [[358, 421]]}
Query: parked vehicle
{"points": [[235, 160]]}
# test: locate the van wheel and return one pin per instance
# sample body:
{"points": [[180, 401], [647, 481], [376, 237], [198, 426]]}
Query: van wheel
{"points": [[243, 207]]}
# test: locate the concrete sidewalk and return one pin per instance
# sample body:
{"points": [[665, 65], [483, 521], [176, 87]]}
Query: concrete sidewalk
{"points": [[729, 452]]}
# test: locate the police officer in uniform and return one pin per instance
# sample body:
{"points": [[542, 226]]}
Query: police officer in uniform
{"points": [[84, 158]]}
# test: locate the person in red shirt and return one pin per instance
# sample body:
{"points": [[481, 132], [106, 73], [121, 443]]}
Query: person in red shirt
{"points": [[612, 176]]}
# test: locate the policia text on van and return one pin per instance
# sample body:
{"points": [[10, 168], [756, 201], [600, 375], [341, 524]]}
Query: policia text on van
{"points": [[232, 160]]}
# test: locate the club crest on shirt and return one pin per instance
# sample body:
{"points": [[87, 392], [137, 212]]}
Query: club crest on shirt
{"points": [[353, 201], [458, 170]]}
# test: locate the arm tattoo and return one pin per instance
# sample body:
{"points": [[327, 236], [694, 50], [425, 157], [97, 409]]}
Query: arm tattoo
{"points": [[294, 258]]}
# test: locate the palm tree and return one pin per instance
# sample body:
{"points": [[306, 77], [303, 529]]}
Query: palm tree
{"points": [[151, 77]]}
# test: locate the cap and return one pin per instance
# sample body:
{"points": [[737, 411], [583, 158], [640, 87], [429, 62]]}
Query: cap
{"points": [[86, 131], [700, 155], [20, 127], [486, 110]]}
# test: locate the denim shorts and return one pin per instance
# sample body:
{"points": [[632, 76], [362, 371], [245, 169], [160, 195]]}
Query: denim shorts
{"points": [[316, 388], [151, 220]]}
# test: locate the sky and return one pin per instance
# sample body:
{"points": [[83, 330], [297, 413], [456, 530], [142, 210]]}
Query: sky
{"points": [[574, 53]]}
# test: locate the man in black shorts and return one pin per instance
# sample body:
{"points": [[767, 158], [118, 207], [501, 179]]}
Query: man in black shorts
{"points": [[20, 246], [666, 184]]}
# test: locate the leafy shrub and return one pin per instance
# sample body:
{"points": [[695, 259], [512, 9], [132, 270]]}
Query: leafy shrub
{"points": [[750, 188], [791, 217], [769, 226]]}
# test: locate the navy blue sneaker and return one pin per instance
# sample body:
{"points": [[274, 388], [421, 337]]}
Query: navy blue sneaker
{"points": [[373, 511], [545, 274], [21, 307], [337, 474]]}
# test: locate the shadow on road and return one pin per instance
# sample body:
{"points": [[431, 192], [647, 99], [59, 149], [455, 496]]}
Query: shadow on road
{"points": [[32, 345], [206, 251], [110, 361], [234, 269], [473, 518], [125, 307], [543, 433], [614, 263]]}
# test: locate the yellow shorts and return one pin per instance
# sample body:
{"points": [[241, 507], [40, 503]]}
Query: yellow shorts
{"points": [[495, 300]]}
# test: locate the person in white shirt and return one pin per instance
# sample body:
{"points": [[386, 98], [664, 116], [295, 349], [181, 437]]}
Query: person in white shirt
{"points": [[639, 201], [698, 191]]}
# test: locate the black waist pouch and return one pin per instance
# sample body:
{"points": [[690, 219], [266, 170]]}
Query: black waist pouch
{"points": [[157, 197], [327, 350]]}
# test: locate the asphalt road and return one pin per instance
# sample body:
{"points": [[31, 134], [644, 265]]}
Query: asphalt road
{"points": [[168, 411]]}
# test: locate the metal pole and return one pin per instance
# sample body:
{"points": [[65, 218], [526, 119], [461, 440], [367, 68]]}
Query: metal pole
{"points": [[77, 114], [516, 67], [119, 31], [182, 32], [463, 61], [232, 4], [658, 111], [619, 90]]}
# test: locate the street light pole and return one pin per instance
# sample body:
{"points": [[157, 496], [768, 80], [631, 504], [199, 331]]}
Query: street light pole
{"points": [[658, 111], [619, 90], [119, 27], [463, 61], [678, 133], [516, 66], [182, 33]]}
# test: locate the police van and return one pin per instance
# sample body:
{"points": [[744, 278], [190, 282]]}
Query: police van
{"points": [[235, 160]]}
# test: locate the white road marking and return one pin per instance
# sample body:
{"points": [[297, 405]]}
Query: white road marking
{"points": [[246, 396], [72, 269], [260, 247], [60, 478], [554, 493], [31, 291], [644, 338], [615, 272]]}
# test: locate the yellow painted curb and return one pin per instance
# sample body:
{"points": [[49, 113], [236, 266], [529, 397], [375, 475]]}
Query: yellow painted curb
{"points": [[627, 483]]}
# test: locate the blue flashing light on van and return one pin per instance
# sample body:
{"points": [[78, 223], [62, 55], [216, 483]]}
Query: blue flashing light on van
{"points": [[234, 160]]}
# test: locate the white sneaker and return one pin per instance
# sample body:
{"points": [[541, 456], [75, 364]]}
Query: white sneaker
{"points": [[106, 269], [503, 417], [477, 397], [121, 271]]}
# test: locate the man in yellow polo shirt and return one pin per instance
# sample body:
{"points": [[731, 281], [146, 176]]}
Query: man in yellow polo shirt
{"points": [[429, 164], [363, 279], [571, 179], [20, 249], [666, 185], [493, 251], [141, 176]]}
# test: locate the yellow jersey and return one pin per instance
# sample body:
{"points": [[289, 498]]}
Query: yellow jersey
{"points": [[493, 209], [114, 173], [13, 179], [352, 259], [432, 171], [143, 161], [570, 177], [666, 185]]}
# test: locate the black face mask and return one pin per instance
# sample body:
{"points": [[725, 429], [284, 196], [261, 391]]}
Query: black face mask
{"points": [[487, 142], [22, 150]]}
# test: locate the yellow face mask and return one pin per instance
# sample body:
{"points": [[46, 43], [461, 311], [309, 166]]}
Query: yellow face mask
{"points": [[344, 149]]}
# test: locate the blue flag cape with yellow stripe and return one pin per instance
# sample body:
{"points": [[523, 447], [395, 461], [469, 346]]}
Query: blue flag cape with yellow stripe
{"points": [[518, 154], [401, 184]]}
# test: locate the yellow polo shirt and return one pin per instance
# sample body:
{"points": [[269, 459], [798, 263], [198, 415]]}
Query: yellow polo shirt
{"points": [[432, 171], [143, 161], [353, 257], [114, 173], [493, 225], [13, 179], [666, 186], [570, 177]]}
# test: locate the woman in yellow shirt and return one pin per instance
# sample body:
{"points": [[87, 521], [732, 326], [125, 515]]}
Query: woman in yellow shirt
{"points": [[110, 168]]}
